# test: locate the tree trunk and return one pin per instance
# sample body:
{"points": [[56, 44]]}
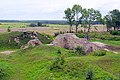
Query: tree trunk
{"points": [[84, 29], [76, 28], [89, 28], [70, 28], [114, 28], [87, 36]]}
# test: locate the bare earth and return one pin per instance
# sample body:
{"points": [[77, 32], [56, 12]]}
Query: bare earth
{"points": [[7, 52]]}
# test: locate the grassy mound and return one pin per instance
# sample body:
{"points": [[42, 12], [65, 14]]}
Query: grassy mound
{"points": [[7, 40], [45, 63]]}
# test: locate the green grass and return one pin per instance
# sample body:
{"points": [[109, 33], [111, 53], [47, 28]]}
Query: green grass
{"points": [[57, 25], [109, 42], [14, 25], [34, 64], [104, 37], [4, 41], [6, 45]]}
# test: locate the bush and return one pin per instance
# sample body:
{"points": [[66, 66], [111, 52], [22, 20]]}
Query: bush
{"points": [[79, 50], [8, 29], [59, 51], [99, 53], [33, 25], [39, 24], [101, 36], [2, 74], [57, 64], [81, 35], [115, 32], [90, 75], [57, 33]]}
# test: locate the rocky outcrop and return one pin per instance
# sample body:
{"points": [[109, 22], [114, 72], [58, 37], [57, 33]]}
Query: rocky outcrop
{"points": [[71, 41], [34, 42]]}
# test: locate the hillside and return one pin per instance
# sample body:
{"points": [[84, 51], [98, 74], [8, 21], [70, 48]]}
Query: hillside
{"points": [[45, 63], [7, 40]]}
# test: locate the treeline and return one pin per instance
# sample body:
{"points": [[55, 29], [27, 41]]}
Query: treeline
{"points": [[39, 24], [41, 21], [87, 17]]}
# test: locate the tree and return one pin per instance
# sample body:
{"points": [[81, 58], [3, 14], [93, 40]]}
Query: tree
{"points": [[9, 29], [89, 16], [70, 17], [33, 25], [93, 15], [39, 24], [84, 18], [77, 10], [115, 14], [108, 22]]}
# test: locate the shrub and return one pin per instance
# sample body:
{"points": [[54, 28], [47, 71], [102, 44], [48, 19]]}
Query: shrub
{"points": [[90, 75], [109, 78], [56, 34], [39, 24], [99, 53], [80, 50], [59, 51], [115, 32], [2, 74], [33, 25], [57, 64], [102, 36], [81, 35], [8, 29]]}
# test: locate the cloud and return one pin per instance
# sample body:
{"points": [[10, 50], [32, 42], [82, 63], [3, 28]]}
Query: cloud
{"points": [[49, 9]]}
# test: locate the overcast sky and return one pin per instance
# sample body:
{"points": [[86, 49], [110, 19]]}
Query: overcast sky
{"points": [[49, 9]]}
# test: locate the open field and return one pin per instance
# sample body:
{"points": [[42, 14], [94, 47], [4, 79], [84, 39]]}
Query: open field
{"points": [[51, 29], [13, 24]]}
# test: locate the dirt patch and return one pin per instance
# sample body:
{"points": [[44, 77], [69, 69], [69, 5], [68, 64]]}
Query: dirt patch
{"points": [[7, 52], [112, 48], [99, 44]]}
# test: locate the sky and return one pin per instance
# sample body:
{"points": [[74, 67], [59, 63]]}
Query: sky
{"points": [[49, 9]]}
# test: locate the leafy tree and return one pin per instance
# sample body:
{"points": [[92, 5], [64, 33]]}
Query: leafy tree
{"points": [[39, 24], [93, 15], [115, 14], [77, 10], [108, 22], [70, 17], [89, 16], [9, 29], [84, 18], [33, 25]]}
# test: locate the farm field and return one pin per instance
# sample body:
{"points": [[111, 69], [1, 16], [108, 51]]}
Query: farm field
{"points": [[13, 24], [49, 29]]}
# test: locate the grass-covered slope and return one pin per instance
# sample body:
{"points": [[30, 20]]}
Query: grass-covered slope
{"points": [[7, 39], [46, 63]]}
